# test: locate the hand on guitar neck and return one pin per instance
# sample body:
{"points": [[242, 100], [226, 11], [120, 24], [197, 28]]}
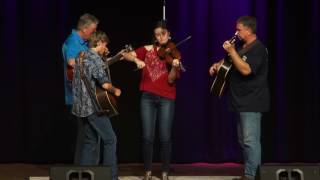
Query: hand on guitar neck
{"points": [[109, 61], [118, 56]]}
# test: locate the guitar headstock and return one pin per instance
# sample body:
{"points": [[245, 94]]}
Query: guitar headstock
{"points": [[128, 47]]}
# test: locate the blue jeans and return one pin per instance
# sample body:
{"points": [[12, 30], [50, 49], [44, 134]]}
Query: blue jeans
{"points": [[94, 128], [156, 108], [249, 138]]}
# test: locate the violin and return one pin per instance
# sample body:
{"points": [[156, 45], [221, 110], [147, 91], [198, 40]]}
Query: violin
{"points": [[169, 52]]}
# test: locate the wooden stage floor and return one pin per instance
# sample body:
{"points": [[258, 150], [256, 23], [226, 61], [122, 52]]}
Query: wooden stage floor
{"points": [[224, 171]]}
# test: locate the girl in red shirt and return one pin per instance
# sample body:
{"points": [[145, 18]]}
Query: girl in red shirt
{"points": [[158, 97]]}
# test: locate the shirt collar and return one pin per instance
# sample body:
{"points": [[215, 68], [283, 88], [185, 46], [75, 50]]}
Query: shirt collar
{"points": [[77, 37], [92, 52]]}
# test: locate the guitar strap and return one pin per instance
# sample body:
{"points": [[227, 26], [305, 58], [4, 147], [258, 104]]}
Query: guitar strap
{"points": [[108, 71], [242, 51], [88, 86]]}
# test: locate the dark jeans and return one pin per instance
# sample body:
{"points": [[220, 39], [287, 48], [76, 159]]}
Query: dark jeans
{"points": [[79, 135], [155, 108], [94, 128]]}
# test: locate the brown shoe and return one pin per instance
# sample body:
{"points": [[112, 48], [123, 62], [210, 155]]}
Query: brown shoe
{"points": [[147, 175]]}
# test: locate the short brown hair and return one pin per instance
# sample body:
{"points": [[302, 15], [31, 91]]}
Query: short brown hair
{"points": [[248, 21], [96, 37], [86, 20]]}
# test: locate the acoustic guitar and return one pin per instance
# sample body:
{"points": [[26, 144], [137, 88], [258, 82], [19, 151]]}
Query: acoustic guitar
{"points": [[106, 102], [222, 77], [219, 84]]}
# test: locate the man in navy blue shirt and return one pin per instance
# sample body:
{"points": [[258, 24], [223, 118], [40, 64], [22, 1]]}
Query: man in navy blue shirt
{"points": [[75, 43], [248, 90]]}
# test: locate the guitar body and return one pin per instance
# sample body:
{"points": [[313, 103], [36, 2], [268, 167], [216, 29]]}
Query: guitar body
{"points": [[106, 102], [222, 77]]}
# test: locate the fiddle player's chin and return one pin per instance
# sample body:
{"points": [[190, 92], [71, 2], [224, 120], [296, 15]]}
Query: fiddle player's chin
{"points": [[163, 42]]}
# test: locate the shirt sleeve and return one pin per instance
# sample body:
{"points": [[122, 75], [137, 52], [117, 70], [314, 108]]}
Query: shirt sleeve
{"points": [[256, 58], [71, 52], [141, 53], [99, 73]]}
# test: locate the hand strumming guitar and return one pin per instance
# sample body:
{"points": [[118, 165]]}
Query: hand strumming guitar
{"points": [[215, 67], [109, 87], [117, 92]]}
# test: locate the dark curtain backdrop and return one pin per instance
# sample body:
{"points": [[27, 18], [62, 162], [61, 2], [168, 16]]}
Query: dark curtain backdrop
{"points": [[34, 128]]}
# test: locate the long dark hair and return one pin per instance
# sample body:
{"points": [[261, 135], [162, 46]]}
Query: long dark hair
{"points": [[161, 24]]}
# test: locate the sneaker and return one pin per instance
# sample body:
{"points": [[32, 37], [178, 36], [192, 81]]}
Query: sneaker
{"points": [[242, 178], [147, 175], [164, 176]]}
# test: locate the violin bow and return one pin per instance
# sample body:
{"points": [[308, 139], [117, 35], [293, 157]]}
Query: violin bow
{"points": [[182, 41]]}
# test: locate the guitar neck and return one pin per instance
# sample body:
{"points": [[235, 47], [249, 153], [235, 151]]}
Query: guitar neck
{"points": [[113, 59]]}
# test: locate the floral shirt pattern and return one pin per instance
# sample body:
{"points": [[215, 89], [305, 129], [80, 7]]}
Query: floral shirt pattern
{"points": [[155, 67], [95, 73]]}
